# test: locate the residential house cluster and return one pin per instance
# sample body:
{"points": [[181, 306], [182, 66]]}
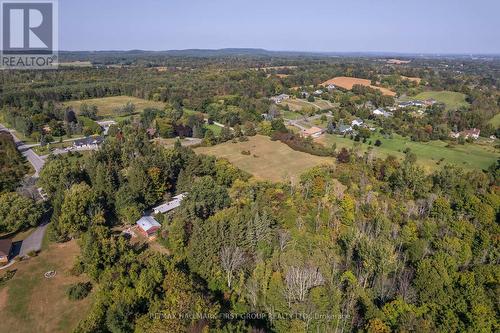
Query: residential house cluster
{"points": [[88, 143], [343, 129], [382, 112], [418, 103], [280, 98], [470, 133]]}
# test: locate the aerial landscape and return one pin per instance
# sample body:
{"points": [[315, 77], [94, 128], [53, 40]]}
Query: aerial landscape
{"points": [[231, 166]]}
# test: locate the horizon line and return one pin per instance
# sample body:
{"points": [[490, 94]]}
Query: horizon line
{"points": [[297, 51]]}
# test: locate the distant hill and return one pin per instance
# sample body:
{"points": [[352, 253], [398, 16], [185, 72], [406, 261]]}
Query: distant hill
{"points": [[130, 55]]}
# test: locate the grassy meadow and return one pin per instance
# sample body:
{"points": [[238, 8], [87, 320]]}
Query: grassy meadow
{"points": [[430, 155], [298, 104], [268, 160], [495, 121], [452, 99], [107, 105], [31, 303]]}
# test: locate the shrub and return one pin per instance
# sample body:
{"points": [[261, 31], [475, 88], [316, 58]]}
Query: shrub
{"points": [[296, 142], [7, 276], [245, 152], [378, 143], [79, 290], [77, 269]]}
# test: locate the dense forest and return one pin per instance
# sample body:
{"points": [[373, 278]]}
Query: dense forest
{"points": [[373, 245]]}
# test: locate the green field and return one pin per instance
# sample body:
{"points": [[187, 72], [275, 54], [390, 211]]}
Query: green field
{"points": [[268, 160], [292, 115], [214, 128], [298, 104], [453, 100], [107, 105], [429, 154], [495, 121]]}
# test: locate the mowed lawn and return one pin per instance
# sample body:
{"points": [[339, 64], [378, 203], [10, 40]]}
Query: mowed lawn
{"points": [[268, 160], [452, 99], [107, 105], [31, 303], [430, 155], [495, 121]]}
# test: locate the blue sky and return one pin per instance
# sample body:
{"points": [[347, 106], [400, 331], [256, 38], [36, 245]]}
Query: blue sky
{"points": [[413, 26]]}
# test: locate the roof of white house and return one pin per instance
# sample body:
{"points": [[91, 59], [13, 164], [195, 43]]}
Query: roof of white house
{"points": [[172, 204], [148, 222], [88, 141], [357, 122]]}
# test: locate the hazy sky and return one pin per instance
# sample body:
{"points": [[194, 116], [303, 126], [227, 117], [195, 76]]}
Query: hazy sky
{"points": [[416, 26]]}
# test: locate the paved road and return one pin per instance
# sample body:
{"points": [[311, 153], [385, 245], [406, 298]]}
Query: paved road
{"points": [[36, 161], [34, 241]]}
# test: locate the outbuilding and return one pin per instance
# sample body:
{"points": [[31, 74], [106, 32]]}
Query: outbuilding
{"points": [[5, 247], [148, 226]]}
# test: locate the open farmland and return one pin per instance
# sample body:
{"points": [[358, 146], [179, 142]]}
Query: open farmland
{"points": [[298, 104], [268, 160], [429, 154], [107, 105], [452, 99], [348, 82], [32, 303]]}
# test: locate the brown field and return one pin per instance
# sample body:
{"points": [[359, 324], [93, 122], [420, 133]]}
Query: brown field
{"points": [[348, 82], [268, 160], [31, 303], [398, 61]]}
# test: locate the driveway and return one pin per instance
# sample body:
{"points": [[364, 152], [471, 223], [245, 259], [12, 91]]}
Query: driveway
{"points": [[34, 241]]}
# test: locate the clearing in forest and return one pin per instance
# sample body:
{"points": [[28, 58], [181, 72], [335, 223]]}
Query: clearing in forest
{"points": [[348, 82], [430, 155], [107, 106], [267, 159]]}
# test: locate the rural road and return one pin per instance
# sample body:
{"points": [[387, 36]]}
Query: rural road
{"points": [[36, 161]]}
